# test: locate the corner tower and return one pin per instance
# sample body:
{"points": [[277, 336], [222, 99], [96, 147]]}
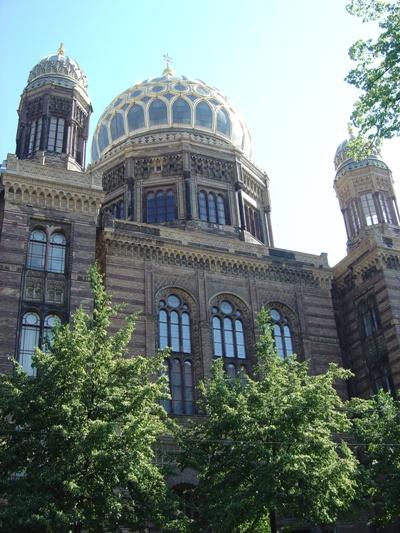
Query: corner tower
{"points": [[367, 280], [54, 113]]}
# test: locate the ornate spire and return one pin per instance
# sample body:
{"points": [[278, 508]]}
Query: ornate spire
{"points": [[61, 50], [168, 71]]}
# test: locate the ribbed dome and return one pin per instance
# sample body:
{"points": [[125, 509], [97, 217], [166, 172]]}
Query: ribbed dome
{"points": [[171, 103], [343, 160], [58, 69]]}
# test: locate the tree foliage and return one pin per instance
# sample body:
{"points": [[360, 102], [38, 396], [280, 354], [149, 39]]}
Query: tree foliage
{"points": [[376, 113], [76, 442], [377, 430], [270, 445]]}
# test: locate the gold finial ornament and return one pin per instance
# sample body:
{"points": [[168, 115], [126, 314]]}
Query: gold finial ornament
{"points": [[61, 50], [168, 71]]}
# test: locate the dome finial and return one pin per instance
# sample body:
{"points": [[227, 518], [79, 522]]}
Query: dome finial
{"points": [[168, 71], [61, 50], [350, 129]]}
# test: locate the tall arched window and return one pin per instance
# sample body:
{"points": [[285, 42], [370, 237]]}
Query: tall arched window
{"points": [[212, 207], [117, 127], [34, 332], [135, 117], [160, 206], [228, 331], [203, 115], [56, 253], [181, 112], [223, 122], [253, 223], [282, 333], [103, 139], [29, 340], [157, 113], [37, 250], [174, 331]]}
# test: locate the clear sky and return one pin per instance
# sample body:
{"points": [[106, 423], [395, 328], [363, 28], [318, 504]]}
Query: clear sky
{"points": [[281, 62]]}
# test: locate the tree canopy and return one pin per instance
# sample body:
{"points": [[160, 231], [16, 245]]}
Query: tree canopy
{"points": [[270, 445], [376, 113], [77, 441], [377, 430]]}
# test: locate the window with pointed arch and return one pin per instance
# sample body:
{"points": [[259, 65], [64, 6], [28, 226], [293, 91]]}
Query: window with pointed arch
{"points": [[212, 207], [369, 316], [35, 331], [228, 335], [174, 331], [159, 206], [282, 333]]}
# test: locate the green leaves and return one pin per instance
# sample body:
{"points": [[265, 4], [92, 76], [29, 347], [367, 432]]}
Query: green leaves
{"points": [[75, 439], [377, 75], [270, 444]]}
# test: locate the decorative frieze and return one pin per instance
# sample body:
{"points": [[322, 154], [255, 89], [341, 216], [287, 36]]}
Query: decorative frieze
{"points": [[60, 106], [208, 167], [166, 165], [34, 108], [114, 178]]}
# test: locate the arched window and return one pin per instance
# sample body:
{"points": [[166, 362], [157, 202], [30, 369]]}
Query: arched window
{"points": [[228, 331], [282, 333], [253, 222], [174, 331], [369, 209], [181, 113], [34, 333], [135, 117], [29, 340], [157, 113], [203, 115], [223, 122], [56, 253], [160, 206], [212, 207], [117, 127], [56, 135], [103, 139], [37, 250]]}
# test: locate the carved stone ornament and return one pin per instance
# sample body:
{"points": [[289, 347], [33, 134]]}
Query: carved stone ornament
{"points": [[114, 178], [208, 167], [59, 106]]}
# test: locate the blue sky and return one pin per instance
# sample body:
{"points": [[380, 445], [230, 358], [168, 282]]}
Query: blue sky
{"points": [[281, 62]]}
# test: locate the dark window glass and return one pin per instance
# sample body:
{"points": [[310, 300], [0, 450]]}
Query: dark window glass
{"points": [[174, 331], [203, 115], [282, 334], [223, 122], [35, 136], [37, 250], [160, 206], [29, 340], [103, 140], [150, 208], [135, 117], [181, 112], [221, 210], [56, 253], [228, 333], [117, 127], [253, 222], [212, 208], [157, 113], [56, 135], [203, 206], [369, 209], [369, 316]]}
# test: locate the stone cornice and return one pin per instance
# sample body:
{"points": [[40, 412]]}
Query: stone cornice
{"points": [[169, 252], [27, 183]]}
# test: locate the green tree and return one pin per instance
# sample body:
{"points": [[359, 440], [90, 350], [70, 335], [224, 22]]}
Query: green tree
{"points": [[377, 430], [376, 113], [77, 441], [270, 446]]}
